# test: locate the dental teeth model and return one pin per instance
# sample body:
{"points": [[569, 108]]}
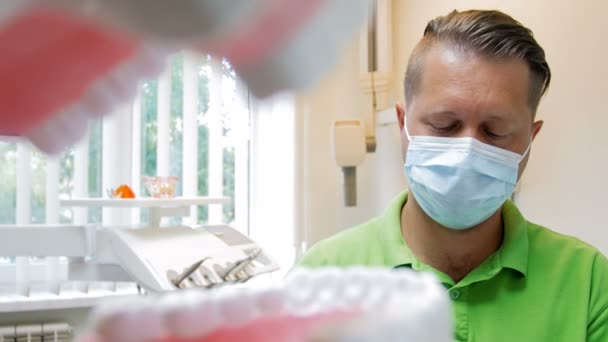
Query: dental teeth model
{"points": [[348, 305], [65, 62]]}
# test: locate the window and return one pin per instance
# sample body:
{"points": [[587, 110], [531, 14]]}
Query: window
{"points": [[222, 133], [31, 183], [194, 121]]}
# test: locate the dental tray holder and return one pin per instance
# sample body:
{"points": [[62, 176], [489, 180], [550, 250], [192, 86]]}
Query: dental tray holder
{"points": [[156, 257], [163, 259], [153, 257]]}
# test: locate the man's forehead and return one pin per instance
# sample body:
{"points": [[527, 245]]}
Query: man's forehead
{"points": [[442, 57], [456, 80]]}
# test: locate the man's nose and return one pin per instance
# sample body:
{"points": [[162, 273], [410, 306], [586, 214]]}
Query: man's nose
{"points": [[472, 131]]}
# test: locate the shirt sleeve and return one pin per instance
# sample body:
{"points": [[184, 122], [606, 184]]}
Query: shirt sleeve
{"points": [[597, 328], [314, 257]]}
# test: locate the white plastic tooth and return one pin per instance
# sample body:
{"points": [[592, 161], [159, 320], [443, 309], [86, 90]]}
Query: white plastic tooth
{"points": [[328, 274], [149, 323], [327, 296], [193, 314], [170, 301], [376, 297], [389, 282], [61, 130], [330, 294], [45, 137], [353, 294], [323, 281], [358, 277], [271, 301], [150, 61], [299, 278], [67, 127], [430, 282], [114, 327], [74, 123], [119, 87], [100, 99], [404, 279], [350, 289], [237, 306], [123, 81], [118, 321], [310, 293], [301, 292]]}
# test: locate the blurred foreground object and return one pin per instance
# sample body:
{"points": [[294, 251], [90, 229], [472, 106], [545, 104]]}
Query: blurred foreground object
{"points": [[330, 304], [67, 61]]}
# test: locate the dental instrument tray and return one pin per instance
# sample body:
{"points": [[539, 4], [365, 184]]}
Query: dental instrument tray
{"points": [[179, 257], [157, 259]]}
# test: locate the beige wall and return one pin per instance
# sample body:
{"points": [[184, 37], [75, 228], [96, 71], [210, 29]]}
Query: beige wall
{"points": [[321, 209], [565, 186]]}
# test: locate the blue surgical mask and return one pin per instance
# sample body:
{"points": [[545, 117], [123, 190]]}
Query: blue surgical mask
{"points": [[460, 182]]}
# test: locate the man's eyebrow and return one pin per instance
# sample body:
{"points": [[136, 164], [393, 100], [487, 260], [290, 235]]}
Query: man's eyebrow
{"points": [[443, 113], [496, 116], [503, 117]]}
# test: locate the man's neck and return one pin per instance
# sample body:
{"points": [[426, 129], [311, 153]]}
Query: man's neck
{"points": [[453, 252]]}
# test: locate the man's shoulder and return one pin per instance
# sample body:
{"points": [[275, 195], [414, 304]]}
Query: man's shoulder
{"points": [[543, 239], [579, 268], [567, 257], [348, 247]]}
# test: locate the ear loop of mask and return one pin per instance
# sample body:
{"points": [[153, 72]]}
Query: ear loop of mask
{"points": [[526, 151], [407, 133]]}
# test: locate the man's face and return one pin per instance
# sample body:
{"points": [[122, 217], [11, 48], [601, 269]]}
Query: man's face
{"points": [[464, 95]]}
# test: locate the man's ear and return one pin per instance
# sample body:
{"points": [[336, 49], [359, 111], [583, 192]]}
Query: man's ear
{"points": [[536, 128], [400, 115]]}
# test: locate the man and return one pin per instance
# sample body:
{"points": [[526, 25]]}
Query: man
{"points": [[472, 88]]}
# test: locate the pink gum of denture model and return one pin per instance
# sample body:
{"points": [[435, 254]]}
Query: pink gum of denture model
{"points": [[288, 328]]}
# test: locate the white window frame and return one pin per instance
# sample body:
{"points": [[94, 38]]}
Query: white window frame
{"points": [[122, 143]]}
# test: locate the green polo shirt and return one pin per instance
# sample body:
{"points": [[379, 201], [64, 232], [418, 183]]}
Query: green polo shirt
{"points": [[539, 286]]}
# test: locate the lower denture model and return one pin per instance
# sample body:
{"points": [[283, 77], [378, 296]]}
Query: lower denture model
{"points": [[348, 305]]}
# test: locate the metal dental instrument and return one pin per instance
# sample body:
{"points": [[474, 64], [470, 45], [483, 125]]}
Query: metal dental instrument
{"points": [[240, 265], [187, 272]]}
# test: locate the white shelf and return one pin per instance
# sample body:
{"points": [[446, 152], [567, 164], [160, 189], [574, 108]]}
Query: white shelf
{"points": [[67, 300], [142, 202], [159, 207]]}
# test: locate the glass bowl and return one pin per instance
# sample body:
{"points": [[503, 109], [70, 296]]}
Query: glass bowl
{"points": [[160, 187]]}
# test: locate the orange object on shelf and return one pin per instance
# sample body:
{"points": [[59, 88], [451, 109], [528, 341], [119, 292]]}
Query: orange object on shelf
{"points": [[123, 191]]}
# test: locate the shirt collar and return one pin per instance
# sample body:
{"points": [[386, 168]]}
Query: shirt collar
{"points": [[513, 253], [514, 250], [397, 251]]}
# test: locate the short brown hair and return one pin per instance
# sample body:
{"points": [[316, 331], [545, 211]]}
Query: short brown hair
{"points": [[491, 34]]}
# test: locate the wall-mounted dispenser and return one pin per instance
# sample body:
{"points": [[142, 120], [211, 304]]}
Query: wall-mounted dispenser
{"points": [[349, 149]]}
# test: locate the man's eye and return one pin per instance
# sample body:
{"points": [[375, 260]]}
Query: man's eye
{"points": [[494, 135], [442, 128]]}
